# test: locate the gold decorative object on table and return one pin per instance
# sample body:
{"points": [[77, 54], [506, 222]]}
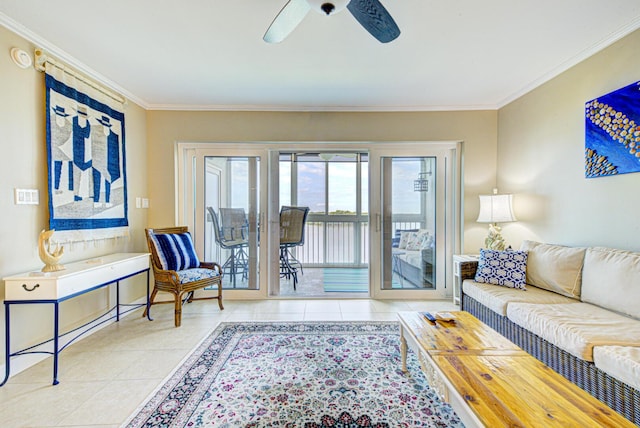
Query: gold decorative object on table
{"points": [[495, 241], [51, 258]]}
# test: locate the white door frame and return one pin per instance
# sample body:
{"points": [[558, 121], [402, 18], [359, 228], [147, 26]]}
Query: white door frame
{"points": [[190, 208], [447, 160], [449, 204]]}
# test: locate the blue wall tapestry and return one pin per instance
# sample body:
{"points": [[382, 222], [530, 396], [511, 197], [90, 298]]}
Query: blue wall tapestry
{"points": [[86, 162], [612, 133]]}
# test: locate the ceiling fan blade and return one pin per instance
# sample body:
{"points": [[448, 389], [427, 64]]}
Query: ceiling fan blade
{"points": [[287, 20], [375, 19]]}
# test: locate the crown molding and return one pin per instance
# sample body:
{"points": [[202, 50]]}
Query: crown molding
{"points": [[59, 54], [302, 108], [575, 60], [64, 56]]}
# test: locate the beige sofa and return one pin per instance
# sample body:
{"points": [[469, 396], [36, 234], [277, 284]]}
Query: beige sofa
{"points": [[579, 314]]}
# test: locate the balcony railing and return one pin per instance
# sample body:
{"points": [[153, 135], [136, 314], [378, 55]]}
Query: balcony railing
{"points": [[330, 240], [340, 241]]}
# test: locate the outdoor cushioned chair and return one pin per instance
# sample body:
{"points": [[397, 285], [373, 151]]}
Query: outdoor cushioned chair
{"points": [[177, 270]]}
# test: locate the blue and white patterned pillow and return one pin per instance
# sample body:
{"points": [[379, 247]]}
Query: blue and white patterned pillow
{"points": [[175, 251], [400, 233], [506, 268]]}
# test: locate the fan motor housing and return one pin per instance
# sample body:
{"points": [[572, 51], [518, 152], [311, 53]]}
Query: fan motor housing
{"points": [[325, 7]]}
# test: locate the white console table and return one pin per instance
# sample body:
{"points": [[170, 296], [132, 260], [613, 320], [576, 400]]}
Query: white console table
{"points": [[55, 287]]}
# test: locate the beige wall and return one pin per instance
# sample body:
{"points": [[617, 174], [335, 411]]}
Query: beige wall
{"points": [[477, 129], [23, 165], [534, 147], [151, 138], [541, 159]]}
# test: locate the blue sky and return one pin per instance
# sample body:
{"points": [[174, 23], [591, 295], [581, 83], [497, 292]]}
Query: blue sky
{"points": [[342, 185]]}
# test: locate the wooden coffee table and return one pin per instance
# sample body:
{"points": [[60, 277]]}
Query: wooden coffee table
{"points": [[491, 382]]}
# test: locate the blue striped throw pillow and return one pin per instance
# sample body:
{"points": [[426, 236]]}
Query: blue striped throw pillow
{"points": [[175, 251]]}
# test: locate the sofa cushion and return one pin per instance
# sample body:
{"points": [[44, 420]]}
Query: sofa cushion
{"points": [[413, 258], [554, 267], [621, 362], [611, 279], [506, 268], [497, 298], [576, 327], [175, 251]]}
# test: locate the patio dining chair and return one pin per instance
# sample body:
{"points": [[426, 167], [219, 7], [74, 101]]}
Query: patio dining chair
{"points": [[177, 269], [292, 224], [231, 233]]}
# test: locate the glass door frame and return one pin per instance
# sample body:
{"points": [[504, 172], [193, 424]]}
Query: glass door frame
{"points": [[189, 178], [190, 209], [448, 203]]}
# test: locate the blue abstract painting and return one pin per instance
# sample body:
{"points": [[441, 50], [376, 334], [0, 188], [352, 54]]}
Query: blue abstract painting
{"points": [[612, 133], [86, 160]]}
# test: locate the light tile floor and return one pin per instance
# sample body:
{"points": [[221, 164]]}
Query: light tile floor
{"points": [[106, 376]]}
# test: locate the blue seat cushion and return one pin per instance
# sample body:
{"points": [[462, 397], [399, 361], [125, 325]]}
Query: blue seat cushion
{"points": [[175, 251], [196, 274]]}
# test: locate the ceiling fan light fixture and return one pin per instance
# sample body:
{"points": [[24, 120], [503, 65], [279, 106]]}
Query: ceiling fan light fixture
{"points": [[326, 8], [371, 14]]}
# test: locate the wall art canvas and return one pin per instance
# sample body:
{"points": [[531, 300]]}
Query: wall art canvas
{"points": [[87, 182], [612, 133]]}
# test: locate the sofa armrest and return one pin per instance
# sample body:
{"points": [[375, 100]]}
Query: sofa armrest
{"points": [[427, 254], [468, 269]]}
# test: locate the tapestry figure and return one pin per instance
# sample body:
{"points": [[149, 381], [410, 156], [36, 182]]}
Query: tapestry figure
{"points": [[60, 147], [81, 154], [105, 152]]}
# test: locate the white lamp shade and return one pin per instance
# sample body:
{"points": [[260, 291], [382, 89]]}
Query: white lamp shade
{"points": [[496, 209]]}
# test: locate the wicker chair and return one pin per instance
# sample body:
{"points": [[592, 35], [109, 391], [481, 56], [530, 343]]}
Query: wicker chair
{"points": [[177, 270]]}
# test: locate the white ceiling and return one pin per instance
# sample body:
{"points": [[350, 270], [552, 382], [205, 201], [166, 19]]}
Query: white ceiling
{"points": [[209, 54]]}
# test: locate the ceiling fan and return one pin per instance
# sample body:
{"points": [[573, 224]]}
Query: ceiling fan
{"points": [[369, 13]]}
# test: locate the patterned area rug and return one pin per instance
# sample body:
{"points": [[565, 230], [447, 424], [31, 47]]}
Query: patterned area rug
{"points": [[285, 374]]}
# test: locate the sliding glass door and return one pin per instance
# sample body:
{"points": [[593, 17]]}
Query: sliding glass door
{"points": [[383, 219], [409, 222], [231, 189], [334, 256], [222, 205], [411, 196]]}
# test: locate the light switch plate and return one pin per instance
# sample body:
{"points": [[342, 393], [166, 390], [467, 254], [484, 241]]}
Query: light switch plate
{"points": [[27, 196]]}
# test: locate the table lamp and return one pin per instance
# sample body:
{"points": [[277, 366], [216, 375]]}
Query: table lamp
{"points": [[495, 209]]}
